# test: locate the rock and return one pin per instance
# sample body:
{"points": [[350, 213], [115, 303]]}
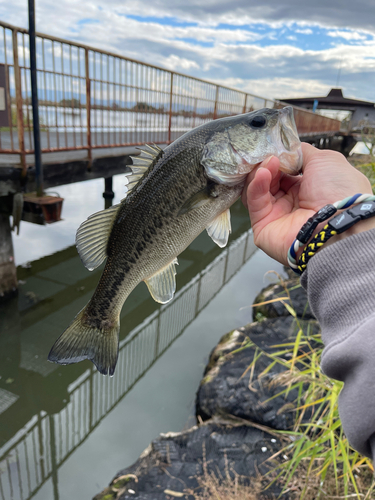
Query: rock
{"points": [[231, 388], [298, 301], [240, 406], [171, 465]]}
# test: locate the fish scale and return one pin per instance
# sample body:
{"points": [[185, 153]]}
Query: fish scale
{"points": [[173, 195]]}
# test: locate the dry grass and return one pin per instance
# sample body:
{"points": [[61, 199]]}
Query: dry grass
{"points": [[213, 487], [303, 485]]}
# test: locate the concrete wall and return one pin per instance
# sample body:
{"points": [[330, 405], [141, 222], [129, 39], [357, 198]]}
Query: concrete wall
{"points": [[363, 115]]}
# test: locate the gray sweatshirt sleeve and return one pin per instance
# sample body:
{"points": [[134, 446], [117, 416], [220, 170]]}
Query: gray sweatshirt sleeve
{"points": [[340, 284]]}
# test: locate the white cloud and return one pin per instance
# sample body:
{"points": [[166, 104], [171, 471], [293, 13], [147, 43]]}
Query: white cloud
{"points": [[237, 54], [278, 88], [174, 62], [307, 31], [347, 35]]}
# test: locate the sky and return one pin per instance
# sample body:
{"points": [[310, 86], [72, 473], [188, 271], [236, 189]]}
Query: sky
{"points": [[271, 48]]}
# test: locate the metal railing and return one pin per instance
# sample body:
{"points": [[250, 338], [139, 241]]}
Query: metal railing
{"points": [[90, 98], [33, 456]]}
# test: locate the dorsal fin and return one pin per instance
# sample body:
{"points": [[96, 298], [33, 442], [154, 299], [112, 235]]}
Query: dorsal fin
{"points": [[149, 156], [92, 237]]}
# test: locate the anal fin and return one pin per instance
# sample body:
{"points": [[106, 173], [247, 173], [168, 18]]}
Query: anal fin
{"points": [[220, 228], [162, 284]]}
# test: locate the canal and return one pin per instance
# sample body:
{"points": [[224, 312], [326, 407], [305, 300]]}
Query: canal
{"points": [[66, 430]]}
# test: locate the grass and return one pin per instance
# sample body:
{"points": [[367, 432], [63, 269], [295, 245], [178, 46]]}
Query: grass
{"points": [[366, 163], [318, 460]]}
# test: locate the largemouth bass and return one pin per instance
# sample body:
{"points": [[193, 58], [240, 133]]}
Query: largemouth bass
{"points": [[172, 196]]}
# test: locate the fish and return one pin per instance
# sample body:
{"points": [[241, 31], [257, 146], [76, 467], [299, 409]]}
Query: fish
{"points": [[172, 195]]}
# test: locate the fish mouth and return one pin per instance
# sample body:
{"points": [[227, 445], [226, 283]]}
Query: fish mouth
{"points": [[288, 143]]}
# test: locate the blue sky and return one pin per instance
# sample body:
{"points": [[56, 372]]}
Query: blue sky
{"points": [[269, 48]]}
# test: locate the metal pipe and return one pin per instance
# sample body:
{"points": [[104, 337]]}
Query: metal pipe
{"points": [[216, 102], [245, 104], [34, 100], [88, 109], [20, 124], [170, 111]]}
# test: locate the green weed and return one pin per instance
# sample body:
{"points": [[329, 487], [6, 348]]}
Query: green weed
{"points": [[318, 461]]}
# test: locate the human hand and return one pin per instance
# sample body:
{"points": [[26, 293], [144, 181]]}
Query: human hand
{"points": [[280, 204]]}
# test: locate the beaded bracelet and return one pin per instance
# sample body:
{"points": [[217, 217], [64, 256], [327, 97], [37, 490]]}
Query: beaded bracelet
{"points": [[308, 228], [336, 225]]}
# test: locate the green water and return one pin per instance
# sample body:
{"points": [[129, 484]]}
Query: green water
{"points": [[66, 430]]}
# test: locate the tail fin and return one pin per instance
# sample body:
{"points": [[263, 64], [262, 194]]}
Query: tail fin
{"points": [[81, 341]]}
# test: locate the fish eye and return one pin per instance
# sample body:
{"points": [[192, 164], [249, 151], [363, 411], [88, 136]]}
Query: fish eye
{"points": [[258, 121]]}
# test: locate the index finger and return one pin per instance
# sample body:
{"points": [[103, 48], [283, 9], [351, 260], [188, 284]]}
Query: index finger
{"points": [[309, 152]]}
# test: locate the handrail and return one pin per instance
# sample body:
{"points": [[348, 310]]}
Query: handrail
{"points": [[90, 98]]}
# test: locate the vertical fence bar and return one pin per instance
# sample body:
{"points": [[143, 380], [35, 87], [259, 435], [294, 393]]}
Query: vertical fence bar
{"points": [[54, 459], [7, 86], [170, 111], [245, 104], [41, 448], [46, 95], [88, 108], [72, 102], [216, 101], [20, 124]]}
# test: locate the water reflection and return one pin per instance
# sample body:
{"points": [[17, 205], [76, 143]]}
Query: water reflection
{"points": [[44, 416]]}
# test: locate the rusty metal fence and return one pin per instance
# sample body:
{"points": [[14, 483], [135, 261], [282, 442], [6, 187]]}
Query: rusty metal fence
{"points": [[89, 98]]}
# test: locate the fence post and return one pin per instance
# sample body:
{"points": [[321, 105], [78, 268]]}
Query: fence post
{"points": [[198, 294], [195, 111], [54, 464], [245, 104], [216, 101], [170, 112], [20, 124], [88, 108], [157, 341], [35, 101]]}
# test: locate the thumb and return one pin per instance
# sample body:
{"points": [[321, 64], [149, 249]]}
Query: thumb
{"points": [[258, 196]]}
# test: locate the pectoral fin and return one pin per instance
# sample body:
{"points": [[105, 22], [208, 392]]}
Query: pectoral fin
{"points": [[199, 199], [92, 237], [162, 285], [220, 228], [196, 201]]}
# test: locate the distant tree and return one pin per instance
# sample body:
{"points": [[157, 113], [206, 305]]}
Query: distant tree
{"points": [[144, 107], [70, 103]]}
